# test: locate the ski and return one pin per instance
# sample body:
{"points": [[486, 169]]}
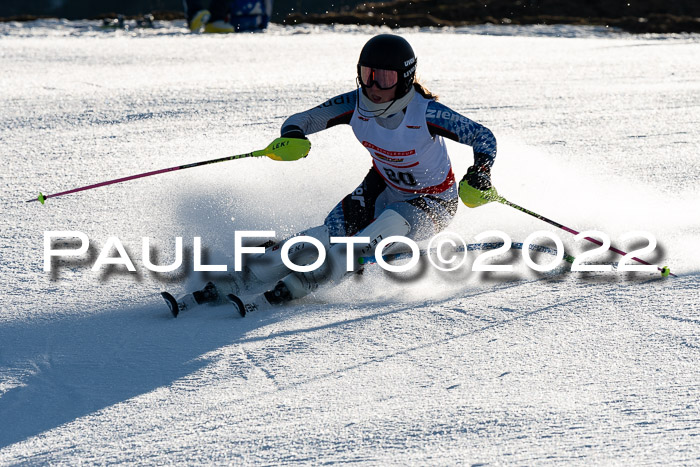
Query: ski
{"points": [[190, 300], [176, 305], [470, 247], [172, 303], [262, 301], [238, 303]]}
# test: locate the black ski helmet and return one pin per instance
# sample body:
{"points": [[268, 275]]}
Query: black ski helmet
{"points": [[390, 52]]}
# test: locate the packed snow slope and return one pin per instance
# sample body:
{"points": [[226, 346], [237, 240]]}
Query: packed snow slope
{"points": [[597, 130]]}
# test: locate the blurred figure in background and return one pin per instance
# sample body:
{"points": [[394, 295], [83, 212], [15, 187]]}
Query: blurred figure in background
{"points": [[224, 16], [214, 20], [250, 15]]}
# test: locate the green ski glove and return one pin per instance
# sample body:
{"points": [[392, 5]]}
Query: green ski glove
{"points": [[475, 188]]}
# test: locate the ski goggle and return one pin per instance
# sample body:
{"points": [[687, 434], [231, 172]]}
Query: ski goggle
{"points": [[383, 79]]}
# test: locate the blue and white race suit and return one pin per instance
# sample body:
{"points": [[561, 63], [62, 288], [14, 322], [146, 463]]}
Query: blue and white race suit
{"points": [[411, 171]]}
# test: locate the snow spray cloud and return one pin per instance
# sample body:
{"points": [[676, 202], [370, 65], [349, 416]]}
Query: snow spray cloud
{"points": [[443, 251]]}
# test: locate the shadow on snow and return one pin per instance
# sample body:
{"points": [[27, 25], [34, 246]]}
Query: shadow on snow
{"points": [[72, 367]]}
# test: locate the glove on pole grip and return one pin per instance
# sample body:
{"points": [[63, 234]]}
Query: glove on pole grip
{"points": [[475, 188], [288, 149]]}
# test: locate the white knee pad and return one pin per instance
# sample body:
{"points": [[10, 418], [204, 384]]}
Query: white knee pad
{"points": [[388, 224], [269, 268]]}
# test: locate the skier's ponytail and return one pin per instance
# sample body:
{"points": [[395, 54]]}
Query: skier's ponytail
{"points": [[423, 91]]}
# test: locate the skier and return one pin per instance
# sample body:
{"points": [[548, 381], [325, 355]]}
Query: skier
{"points": [[226, 16], [409, 191]]}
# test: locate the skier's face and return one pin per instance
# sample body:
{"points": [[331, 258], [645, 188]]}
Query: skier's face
{"points": [[380, 96]]}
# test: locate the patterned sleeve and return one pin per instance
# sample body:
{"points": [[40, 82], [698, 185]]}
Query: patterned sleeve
{"points": [[443, 121], [333, 112]]}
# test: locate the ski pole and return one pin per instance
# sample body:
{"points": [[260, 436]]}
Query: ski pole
{"points": [[280, 149], [665, 271], [41, 198]]}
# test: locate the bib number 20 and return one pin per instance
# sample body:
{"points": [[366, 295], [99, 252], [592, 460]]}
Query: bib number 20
{"points": [[400, 178]]}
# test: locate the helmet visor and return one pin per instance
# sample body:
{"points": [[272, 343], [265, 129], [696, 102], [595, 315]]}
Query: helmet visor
{"points": [[383, 79]]}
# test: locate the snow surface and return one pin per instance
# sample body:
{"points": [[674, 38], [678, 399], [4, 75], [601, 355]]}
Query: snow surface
{"points": [[597, 130]]}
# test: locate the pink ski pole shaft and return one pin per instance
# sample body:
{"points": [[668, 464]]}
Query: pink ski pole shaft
{"points": [[41, 198], [665, 270]]}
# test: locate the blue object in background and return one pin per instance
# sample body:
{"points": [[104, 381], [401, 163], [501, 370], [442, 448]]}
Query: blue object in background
{"points": [[250, 15]]}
